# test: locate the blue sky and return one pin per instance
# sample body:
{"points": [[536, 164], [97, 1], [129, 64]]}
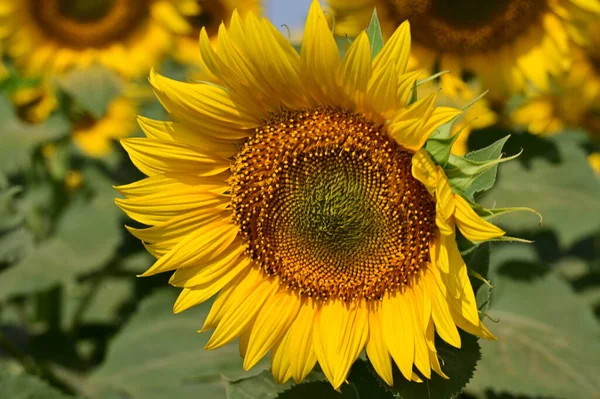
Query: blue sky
{"points": [[289, 12]]}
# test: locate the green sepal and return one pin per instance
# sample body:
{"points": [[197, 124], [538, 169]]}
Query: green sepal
{"points": [[432, 77], [374, 34], [476, 171], [413, 95], [440, 143]]}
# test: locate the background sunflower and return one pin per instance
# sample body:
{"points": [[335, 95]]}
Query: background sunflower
{"points": [[75, 321]]}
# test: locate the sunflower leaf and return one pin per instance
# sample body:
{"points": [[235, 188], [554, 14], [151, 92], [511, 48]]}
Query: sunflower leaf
{"points": [[477, 172], [158, 354], [547, 335], [319, 389], [440, 143], [374, 34], [85, 239], [92, 89], [562, 187], [25, 386], [19, 139], [458, 364]]}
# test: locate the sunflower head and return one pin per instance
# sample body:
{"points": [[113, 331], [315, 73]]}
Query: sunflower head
{"points": [[53, 36], [300, 193]]}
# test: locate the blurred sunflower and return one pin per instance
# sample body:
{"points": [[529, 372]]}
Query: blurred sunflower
{"points": [[301, 194], [573, 100], [505, 42], [95, 136], [206, 14], [127, 36]]}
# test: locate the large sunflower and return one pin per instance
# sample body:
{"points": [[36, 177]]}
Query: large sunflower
{"points": [[127, 36], [300, 194], [505, 42]]}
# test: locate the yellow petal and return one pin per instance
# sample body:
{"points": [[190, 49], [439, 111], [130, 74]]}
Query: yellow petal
{"points": [[407, 127], [444, 324], [355, 70], [241, 311], [320, 54], [154, 157], [473, 227], [444, 204], [280, 360], [231, 295], [398, 333], [301, 342], [421, 350], [178, 132], [376, 349], [205, 105], [167, 182], [340, 335], [396, 50], [228, 261], [160, 207], [271, 324], [197, 248], [424, 170]]}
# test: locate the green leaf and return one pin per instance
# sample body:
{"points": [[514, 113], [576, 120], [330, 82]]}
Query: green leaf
{"points": [[319, 389], [367, 382], [158, 354], [25, 386], [440, 143], [85, 239], [463, 172], [458, 364], [10, 214], [547, 341], [15, 244], [374, 34], [486, 180], [92, 88], [259, 386], [19, 139], [566, 193]]}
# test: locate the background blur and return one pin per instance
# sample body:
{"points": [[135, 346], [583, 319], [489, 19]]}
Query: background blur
{"points": [[75, 321]]}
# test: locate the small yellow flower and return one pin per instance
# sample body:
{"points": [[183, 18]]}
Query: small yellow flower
{"points": [[299, 193], [94, 137]]}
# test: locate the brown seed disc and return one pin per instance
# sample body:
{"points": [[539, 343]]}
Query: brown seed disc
{"points": [[468, 26], [328, 204], [88, 23]]}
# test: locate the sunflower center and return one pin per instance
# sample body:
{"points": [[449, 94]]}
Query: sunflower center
{"points": [[85, 10], [467, 26], [328, 204], [88, 23]]}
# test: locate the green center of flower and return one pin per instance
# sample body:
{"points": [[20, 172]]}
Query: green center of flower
{"points": [[467, 26], [328, 205], [88, 23]]}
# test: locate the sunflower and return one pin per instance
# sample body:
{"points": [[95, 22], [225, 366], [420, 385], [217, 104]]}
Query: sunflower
{"points": [[206, 14], [506, 43], [126, 36], [94, 136], [299, 193], [572, 101]]}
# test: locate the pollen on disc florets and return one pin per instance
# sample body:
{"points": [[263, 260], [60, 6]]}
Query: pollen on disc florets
{"points": [[327, 203]]}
